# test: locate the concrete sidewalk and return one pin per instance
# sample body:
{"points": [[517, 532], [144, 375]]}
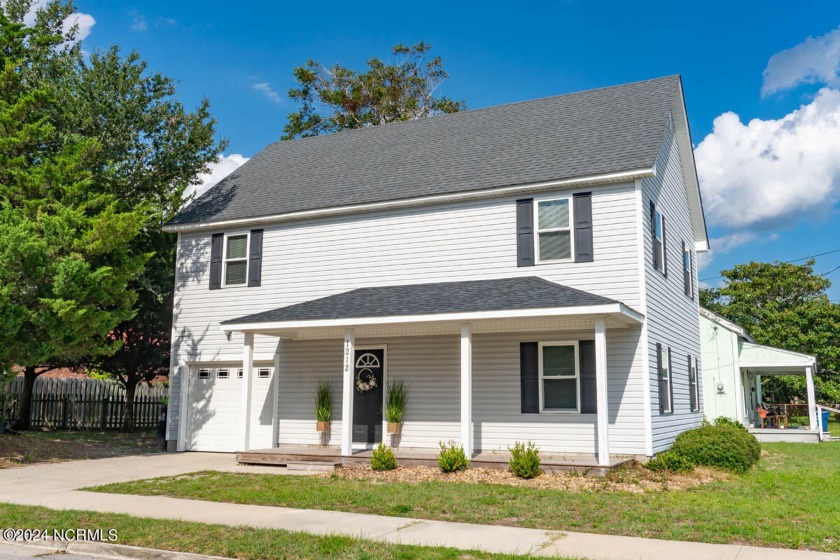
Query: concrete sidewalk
{"points": [[56, 486]]}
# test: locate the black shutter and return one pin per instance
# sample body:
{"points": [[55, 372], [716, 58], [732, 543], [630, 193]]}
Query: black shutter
{"points": [[686, 274], [588, 386], [692, 386], [654, 240], [529, 376], [525, 232], [583, 227], [659, 379], [255, 258], [217, 242], [664, 249]]}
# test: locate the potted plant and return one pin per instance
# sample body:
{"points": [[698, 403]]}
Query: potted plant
{"points": [[395, 406], [323, 406]]}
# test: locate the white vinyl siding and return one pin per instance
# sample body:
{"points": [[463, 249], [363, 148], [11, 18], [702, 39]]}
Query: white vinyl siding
{"points": [[671, 318], [310, 259]]}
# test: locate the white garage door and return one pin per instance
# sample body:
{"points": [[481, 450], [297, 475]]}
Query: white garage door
{"points": [[215, 409]]}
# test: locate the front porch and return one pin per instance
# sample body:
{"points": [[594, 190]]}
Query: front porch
{"points": [[768, 422], [283, 455], [487, 363]]}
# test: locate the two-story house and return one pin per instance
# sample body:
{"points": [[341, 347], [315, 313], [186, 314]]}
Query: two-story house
{"points": [[528, 271]]}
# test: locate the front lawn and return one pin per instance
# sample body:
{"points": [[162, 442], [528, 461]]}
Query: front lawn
{"points": [[219, 540], [790, 500], [26, 448]]}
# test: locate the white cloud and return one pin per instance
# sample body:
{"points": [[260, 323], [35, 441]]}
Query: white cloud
{"points": [[768, 172], [85, 22], [269, 91], [139, 24], [813, 61], [218, 171]]}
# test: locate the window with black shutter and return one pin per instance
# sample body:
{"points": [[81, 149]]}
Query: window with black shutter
{"points": [[236, 259], [663, 364]]}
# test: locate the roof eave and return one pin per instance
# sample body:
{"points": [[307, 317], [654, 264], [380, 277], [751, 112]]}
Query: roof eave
{"points": [[603, 178], [616, 310]]}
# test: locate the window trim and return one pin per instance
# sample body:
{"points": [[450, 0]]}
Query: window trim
{"points": [[246, 259], [240, 373], [664, 360], [223, 373], [266, 370], [537, 231], [659, 224], [203, 373], [694, 386], [540, 346]]}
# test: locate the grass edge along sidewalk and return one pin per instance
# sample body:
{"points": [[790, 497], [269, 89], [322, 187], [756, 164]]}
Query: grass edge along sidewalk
{"points": [[796, 483], [245, 543]]}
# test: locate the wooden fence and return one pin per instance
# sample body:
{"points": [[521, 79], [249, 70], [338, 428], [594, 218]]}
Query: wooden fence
{"points": [[82, 404]]}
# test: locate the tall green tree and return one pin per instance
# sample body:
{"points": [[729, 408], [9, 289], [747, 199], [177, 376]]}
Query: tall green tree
{"points": [[151, 149], [784, 305], [385, 92], [65, 257]]}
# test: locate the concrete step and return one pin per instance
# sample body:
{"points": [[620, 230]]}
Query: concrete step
{"points": [[312, 466]]}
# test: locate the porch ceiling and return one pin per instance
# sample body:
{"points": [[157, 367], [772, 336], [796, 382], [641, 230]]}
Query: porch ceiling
{"points": [[766, 360], [506, 305]]}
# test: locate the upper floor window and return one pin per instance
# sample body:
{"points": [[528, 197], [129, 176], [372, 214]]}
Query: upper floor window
{"points": [[693, 384], [688, 284], [657, 221], [559, 376], [236, 260], [554, 231]]}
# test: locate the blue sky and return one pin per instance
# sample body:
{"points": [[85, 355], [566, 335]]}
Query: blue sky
{"points": [[769, 164]]}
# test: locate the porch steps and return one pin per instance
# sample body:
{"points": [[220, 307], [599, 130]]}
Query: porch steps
{"points": [[312, 466]]}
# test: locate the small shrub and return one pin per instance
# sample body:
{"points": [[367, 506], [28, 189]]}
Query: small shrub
{"points": [[722, 446], [452, 458], [525, 460], [383, 459], [670, 462], [724, 421]]}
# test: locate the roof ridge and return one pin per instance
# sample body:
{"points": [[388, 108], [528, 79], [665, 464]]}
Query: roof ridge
{"points": [[476, 110]]}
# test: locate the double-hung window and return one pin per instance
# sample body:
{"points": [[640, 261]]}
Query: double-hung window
{"points": [[659, 241], [693, 384], [666, 406], [236, 260], [554, 231], [559, 376], [688, 285]]}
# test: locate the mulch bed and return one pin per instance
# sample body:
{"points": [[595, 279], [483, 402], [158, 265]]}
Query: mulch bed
{"points": [[630, 478]]}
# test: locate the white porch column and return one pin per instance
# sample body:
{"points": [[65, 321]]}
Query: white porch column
{"points": [[812, 398], [247, 374], [347, 394], [601, 391], [466, 389], [758, 389]]}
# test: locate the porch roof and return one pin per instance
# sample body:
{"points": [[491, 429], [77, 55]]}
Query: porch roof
{"points": [[508, 298], [774, 361]]}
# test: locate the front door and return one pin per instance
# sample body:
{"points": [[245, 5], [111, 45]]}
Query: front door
{"points": [[367, 396]]}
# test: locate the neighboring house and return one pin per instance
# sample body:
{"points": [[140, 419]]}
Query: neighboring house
{"points": [[733, 366], [529, 270]]}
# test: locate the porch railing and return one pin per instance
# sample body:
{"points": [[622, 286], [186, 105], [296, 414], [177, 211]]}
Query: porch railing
{"points": [[824, 435]]}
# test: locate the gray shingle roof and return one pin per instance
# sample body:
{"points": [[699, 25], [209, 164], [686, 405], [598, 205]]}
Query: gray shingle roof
{"points": [[530, 292], [575, 135]]}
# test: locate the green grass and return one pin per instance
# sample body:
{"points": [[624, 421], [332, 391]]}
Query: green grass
{"points": [[790, 500], [220, 540]]}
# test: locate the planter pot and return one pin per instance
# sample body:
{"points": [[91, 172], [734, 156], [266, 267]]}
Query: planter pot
{"points": [[394, 427], [323, 426]]}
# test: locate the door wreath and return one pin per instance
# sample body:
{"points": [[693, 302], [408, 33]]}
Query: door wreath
{"points": [[365, 380]]}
